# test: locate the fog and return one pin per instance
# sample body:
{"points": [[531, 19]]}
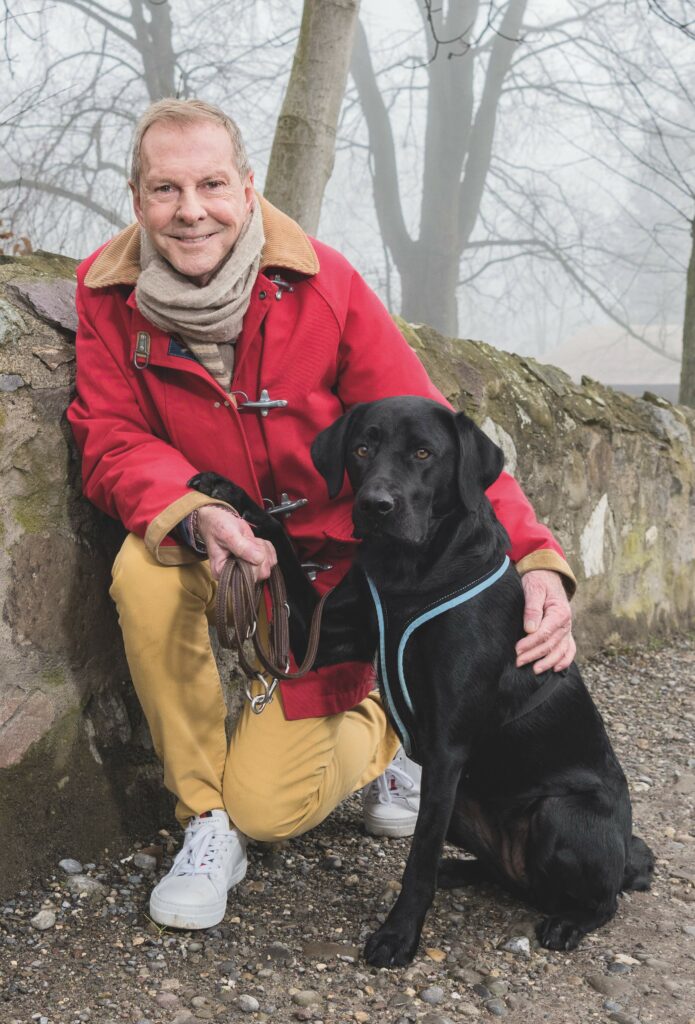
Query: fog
{"points": [[583, 226]]}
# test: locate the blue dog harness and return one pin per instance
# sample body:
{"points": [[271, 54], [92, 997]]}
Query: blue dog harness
{"points": [[391, 649]]}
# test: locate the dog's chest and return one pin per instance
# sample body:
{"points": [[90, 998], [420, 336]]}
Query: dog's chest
{"points": [[403, 658]]}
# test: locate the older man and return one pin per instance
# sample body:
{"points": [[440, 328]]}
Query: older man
{"points": [[215, 335]]}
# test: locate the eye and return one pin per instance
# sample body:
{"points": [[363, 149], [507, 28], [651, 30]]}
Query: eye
{"points": [[163, 189], [213, 185], [361, 451], [422, 453]]}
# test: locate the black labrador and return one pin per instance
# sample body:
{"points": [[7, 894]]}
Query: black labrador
{"points": [[517, 768]]}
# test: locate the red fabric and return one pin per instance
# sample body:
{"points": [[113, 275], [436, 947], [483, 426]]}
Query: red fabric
{"points": [[324, 346]]}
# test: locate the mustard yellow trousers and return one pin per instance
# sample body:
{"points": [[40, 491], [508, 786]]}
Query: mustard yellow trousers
{"points": [[276, 778]]}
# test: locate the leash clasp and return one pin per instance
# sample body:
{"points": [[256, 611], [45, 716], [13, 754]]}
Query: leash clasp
{"points": [[260, 701]]}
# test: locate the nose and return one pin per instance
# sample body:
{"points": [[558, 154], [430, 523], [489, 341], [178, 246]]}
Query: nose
{"points": [[190, 208], [376, 502]]}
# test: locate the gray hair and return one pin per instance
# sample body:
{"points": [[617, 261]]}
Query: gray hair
{"points": [[185, 112]]}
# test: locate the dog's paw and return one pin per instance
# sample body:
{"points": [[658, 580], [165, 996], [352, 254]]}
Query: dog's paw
{"points": [[558, 933], [220, 487], [391, 947]]}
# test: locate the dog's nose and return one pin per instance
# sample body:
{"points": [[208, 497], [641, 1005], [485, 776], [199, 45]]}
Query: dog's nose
{"points": [[376, 502]]}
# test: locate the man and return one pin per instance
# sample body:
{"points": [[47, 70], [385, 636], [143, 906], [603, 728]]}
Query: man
{"points": [[214, 335]]}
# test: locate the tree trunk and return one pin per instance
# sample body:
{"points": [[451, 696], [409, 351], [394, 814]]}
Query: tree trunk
{"points": [[686, 395], [301, 160]]}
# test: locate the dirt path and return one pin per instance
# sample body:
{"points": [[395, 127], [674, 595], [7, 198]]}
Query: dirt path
{"points": [[289, 946]]}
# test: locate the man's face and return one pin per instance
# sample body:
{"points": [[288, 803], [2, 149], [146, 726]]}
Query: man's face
{"points": [[191, 201]]}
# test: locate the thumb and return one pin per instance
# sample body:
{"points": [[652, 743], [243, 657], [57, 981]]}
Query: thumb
{"points": [[250, 550]]}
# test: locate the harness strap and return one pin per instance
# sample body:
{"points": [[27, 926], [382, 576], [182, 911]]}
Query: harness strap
{"points": [[445, 604]]}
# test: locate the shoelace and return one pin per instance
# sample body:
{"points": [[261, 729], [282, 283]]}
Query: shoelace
{"points": [[381, 789], [200, 848]]}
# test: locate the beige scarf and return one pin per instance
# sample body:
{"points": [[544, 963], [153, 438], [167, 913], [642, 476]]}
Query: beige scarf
{"points": [[207, 320]]}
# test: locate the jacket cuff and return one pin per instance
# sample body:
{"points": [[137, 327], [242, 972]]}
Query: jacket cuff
{"points": [[167, 521], [546, 558]]}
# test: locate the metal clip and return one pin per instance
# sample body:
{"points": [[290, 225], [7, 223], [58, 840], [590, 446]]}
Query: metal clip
{"points": [[280, 284], [264, 402], [141, 356], [286, 507], [313, 568], [260, 701]]}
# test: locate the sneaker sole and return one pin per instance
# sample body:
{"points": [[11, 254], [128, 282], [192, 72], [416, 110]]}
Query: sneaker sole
{"points": [[171, 916], [392, 830]]}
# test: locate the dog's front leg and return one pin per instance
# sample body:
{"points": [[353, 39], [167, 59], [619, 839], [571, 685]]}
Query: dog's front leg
{"points": [[395, 943]]}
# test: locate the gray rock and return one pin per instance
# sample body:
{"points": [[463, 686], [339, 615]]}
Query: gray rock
{"points": [[11, 382], [83, 885], [307, 997], [52, 301], [278, 951], [11, 324], [496, 1007], [433, 995], [610, 1004], [436, 1018], [145, 862], [167, 1000], [248, 1004], [195, 947], [618, 968], [689, 929], [184, 1017], [43, 920], [70, 866], [613, 987], [519, 945], [623, 1018]]}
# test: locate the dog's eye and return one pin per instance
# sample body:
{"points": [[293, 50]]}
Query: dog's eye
{"points": [[422, 453], [361, 451]]}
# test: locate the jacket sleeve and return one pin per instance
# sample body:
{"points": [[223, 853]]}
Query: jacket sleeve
{"points": [[127, 470], [375, 361]]}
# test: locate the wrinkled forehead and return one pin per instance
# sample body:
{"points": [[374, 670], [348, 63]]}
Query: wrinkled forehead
{"points": [[404, 422]]}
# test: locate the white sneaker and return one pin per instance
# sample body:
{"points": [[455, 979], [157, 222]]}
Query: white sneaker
{"points": [[194, 892], [391, 803]]}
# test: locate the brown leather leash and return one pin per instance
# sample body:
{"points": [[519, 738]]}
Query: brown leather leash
{"points": [[238, 599]]}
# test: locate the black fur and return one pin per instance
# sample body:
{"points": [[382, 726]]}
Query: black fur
{"points": [[527, 781]]}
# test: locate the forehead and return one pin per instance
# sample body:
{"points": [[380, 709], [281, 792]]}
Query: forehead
{"points": [[196, 149], [405, 421]]}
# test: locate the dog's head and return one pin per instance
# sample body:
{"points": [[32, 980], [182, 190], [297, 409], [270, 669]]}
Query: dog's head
{"points": [[410, 461]]}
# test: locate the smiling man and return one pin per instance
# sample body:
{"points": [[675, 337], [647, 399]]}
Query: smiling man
{"points": [[214, 335]]}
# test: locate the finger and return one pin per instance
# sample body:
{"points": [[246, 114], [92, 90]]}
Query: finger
{"points": [[540, 645], [557, 621], [568, 658], [554, 660]]}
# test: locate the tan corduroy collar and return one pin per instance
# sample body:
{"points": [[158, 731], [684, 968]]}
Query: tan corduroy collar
{"points": [[286, 246]]}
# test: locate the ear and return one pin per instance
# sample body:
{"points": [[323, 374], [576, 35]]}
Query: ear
{"points": [[329, 449], [480, 461]]}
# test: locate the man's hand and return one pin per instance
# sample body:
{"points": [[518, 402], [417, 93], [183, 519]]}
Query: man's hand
{"points": [[548, 621], [224, 534]]}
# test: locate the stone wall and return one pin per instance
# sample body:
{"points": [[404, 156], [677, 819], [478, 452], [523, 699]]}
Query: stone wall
{"points": [[612, 475]]}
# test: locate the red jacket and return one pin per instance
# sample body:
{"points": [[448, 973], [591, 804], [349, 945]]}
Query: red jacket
{"points": [[146, 423]]}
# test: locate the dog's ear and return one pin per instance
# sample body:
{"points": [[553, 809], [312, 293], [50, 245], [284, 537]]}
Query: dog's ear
{"points": [[480, 461], [329, 449]]}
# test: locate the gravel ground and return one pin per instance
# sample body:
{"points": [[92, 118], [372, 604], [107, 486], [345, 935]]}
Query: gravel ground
{"points": [[289, 947]]}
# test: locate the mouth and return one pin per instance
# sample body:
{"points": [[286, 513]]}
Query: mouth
{"points": [[193, 241]]}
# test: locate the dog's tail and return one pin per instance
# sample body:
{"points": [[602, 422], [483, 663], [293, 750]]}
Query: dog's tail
{"points": [[639, 868]]}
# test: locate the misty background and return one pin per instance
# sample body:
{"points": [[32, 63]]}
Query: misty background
{"points": [[520, 172]]}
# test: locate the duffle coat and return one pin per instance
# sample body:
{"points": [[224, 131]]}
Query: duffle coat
{"points": [[147, 416]]}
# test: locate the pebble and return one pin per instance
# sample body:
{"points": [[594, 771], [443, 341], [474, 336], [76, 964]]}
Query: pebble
{"points": [[248, 1004], [618, 968], [307, 997], [278, 951], [195, 947], [145, 862], [432, 995], [519, 945], [70, 866], [79, 884], [623, 1018], [43, 920], [610, 986], [496, 1007], [184, 1017], [167, 1000], [689, 929], [610, 1004]]}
